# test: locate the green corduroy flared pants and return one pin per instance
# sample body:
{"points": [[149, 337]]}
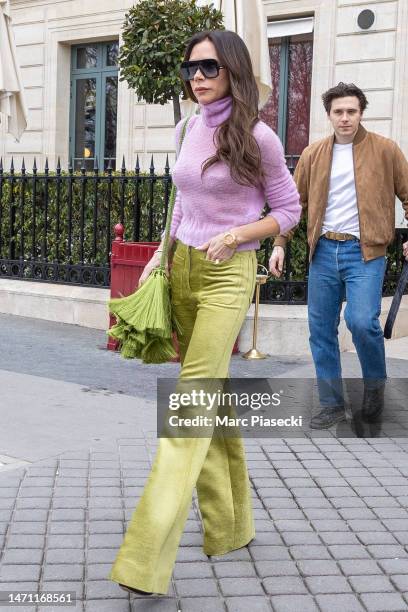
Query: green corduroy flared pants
{"points": [[210, 303]]}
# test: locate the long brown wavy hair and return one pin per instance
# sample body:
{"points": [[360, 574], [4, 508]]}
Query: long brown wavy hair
{"points": [[234, 140]]}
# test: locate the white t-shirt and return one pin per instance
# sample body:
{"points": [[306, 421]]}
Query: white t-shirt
{"points": [[342, 212]]}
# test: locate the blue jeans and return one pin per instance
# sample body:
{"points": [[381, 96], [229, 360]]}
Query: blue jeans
{"points": [[338, 272]]}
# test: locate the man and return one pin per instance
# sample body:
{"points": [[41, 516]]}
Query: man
{"points": [[347, 185]]}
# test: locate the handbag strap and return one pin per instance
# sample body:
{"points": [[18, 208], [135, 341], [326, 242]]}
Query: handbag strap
{"points": [[172, 200]]}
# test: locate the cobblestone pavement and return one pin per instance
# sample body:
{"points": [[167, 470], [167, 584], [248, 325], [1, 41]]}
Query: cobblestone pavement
{"points": [[331, 513]]}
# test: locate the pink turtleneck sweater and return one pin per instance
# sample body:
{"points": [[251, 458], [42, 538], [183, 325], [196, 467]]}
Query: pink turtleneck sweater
{"points": [[215, 203]]}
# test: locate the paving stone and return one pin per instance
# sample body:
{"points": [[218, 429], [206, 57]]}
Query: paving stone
{"points": [[66, 528], [379, 602], [355, 567], [391, 513], [357, 513], [31, 556], [261, 553], [339, 603], [98, 571], [65, 541], [231, 587], [396, 524], [365, 525], [19, 573], [105, 514], [368, 584], [63, 571], [294, 603], [30, 516], [309, 552], [201, 604], [348, 551], [321, 513], [234, 569], [197, 587], [101, 555], [394, 566], [318, 568], [379, 537], [194, 570], [327, 584], [26, 541], [381, 502], [347, 502], [65, 555], [284, 585], [276, 568], [24, 527], [338, 537], [106, 540], [387, 551], [294, 525], [293, 538], [243, 604]]}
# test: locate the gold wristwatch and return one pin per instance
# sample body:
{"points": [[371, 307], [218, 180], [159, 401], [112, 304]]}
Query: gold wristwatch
{"points": [[230, 240]]}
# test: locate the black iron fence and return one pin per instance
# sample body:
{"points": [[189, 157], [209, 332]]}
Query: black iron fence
{"points": [[58, 227]]}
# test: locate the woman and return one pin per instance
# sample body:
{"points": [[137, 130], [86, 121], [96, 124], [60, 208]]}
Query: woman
{"points": [[230, 163]]}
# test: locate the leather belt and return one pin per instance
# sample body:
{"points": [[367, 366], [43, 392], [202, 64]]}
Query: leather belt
{"points": [[339, 236]]}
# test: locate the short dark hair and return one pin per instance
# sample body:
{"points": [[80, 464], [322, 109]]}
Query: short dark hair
{"points": [[341, 90]]}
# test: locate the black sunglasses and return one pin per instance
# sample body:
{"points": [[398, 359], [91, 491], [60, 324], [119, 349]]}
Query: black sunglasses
{"points": [[209, 68]]}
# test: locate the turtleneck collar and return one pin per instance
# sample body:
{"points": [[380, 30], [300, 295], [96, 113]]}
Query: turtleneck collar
{"points": [[216, 112]]}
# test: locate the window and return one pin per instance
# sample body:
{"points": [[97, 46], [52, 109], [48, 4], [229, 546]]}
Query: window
{"points": [[94, 98], [288, 108]]}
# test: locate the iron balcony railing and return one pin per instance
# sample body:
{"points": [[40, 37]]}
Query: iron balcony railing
{"points": [[58, 227]]}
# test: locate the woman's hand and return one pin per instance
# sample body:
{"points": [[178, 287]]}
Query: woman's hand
{"points": [[216, 249], [151, 265]]}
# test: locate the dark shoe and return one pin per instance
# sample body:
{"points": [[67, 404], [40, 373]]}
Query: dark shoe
{"points": [[327, 417], [373, 404], [135, 591]]}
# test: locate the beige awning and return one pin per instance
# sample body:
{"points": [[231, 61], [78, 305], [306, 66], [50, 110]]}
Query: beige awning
{"points": [[11, 89], [246, 18]]}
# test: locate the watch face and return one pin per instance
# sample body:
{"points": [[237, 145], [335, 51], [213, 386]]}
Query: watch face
{"points": [[229, 240]]}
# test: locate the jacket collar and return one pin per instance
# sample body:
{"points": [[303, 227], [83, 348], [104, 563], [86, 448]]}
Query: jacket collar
{"points": [[359, 137]]}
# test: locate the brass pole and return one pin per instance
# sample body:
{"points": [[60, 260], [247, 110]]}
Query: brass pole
{"points": [[253, 353]]}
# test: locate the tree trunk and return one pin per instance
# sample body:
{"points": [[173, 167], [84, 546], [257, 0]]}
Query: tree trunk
{"points": [[176, 109]]}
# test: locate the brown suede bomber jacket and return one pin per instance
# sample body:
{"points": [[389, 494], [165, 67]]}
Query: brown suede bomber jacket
{"points": [[381, 173]]}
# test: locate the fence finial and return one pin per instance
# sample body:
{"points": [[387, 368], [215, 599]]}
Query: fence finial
{"points": [[152, 166], [12, 166], [123, 168], [137, 167], [35, 166], [119, 232], [59, 165], [23, 168]]}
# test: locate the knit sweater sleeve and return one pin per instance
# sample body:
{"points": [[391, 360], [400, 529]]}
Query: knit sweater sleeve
{"points": [[280, 188]]}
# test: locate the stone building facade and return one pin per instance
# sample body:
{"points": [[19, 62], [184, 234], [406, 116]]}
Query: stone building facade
{"points": [[349, 40]]}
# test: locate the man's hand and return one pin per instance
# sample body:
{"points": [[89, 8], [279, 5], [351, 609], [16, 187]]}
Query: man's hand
{"points": [[276, 261], [216, 249], [405, 250]]}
